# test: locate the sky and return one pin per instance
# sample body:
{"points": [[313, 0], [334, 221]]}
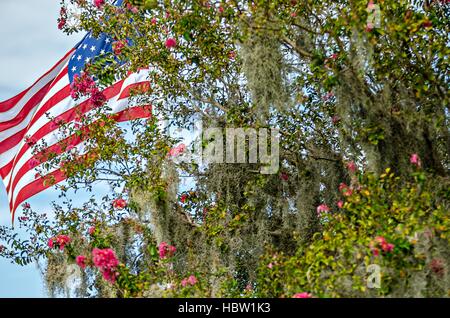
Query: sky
{"points": [[30, 45]]}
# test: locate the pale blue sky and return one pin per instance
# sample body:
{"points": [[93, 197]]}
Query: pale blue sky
{"points": [[30, 44]]}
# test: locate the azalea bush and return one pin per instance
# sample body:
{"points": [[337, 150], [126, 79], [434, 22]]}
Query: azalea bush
{"points": [[354, 88]]}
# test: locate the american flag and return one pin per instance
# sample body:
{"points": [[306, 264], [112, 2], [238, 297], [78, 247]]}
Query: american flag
{"points": [[26, 119]]}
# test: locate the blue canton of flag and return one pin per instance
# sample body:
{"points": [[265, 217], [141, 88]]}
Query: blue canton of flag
{"points": [[86, 51]]}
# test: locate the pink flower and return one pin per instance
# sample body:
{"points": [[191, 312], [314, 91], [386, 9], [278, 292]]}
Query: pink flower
{"points": [[60, 240], [119, 204], [302, 295], [26, 205], [322, 208], [110, 275], [166, 250], [376, 252], [81, 261], [388, 247], [61, 24], [345, 189], [33, 163], [381, 242], [369, 27], [171, 43], [334, 56], [97, 98], [106, 261], [176, 151], [183, 198], [351, 166], [99, 3], [153, 21], [192, 280], [132, 8], [221, 9], [117, 47], [91, 230], [270, 266], [415, 160], [380, 239], [83, 85], [30, 141], [340, 204], [284, 176], [24, 218]]}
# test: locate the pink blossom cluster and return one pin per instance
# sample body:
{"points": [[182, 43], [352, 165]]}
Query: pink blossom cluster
{"points": [[171, 43], [302, 295], [119, 204], [85, 85], [61, 241], [166, 250], [62, 20], [176, 151], [191, 280], [132, 8], [99, 3], [81, 261], [118, 47], [26, 205], [345, 189], [323, 208], [414, 159], [381, 243], [351, 166], [184, 197], [91, 230], [106, 261]]}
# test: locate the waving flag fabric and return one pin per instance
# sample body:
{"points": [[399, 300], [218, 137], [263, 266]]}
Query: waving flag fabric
{"points": [[26, 119]]}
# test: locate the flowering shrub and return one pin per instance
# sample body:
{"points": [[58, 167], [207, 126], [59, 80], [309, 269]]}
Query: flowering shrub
{"points": [[59, 241], [401, 227], [166, 250], [119, 204], [106, 261]]}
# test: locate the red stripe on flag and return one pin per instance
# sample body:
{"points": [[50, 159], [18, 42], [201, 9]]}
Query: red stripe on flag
{"points": [[32, 102], [73, 140], [67, 116], [10, 103], [57, 176], [141, 87]]}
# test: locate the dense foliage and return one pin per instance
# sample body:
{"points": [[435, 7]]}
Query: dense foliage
{"points": [[361, 100]]}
